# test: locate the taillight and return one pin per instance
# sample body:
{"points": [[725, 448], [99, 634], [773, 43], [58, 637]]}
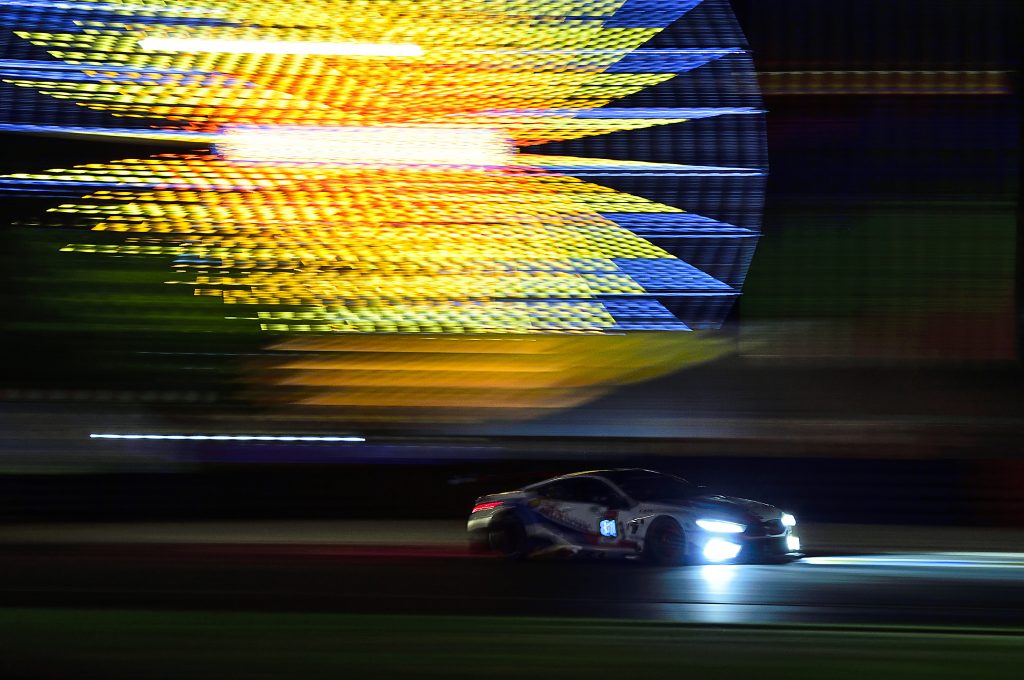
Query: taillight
{"points": [[486, 506]]}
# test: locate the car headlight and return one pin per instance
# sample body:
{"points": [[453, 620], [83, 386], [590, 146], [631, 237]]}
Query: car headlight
{"points": [[721, 526], [788, 520], [792, 543], [719, 550]]}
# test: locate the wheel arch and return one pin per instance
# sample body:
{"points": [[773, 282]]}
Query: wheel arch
{"points": [[517, 511], [661, 519]]}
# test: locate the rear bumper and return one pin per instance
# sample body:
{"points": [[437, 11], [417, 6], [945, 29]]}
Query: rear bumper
{"points": [[478, 539]]}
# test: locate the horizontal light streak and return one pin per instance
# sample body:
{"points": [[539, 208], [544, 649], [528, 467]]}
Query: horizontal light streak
{"points": [[668, 114], [341, 49], [231, 437], [370, 250], [1007, 560], [144, 134], [886, 82], [286, 76], [103, 7], [369, 146]]}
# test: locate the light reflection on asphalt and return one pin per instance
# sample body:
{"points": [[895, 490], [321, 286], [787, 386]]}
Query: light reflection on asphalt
{"points": [[986, 560], [717, 577]]}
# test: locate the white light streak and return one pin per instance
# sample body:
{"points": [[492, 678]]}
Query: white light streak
{"points": [[368, 146], [231, 437], [929, 560], [281, 47]]}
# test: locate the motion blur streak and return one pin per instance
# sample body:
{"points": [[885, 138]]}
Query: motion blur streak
{"points": [[961, 560], [472, 377], [228, 437], [886, 82], [279, 47], [365, 176]]}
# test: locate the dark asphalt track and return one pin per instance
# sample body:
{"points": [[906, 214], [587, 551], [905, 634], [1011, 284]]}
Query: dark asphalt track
{"points": [[959, 590]]}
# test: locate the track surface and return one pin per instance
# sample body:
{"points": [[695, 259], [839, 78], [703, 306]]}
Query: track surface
{"points": [[948, 589]]}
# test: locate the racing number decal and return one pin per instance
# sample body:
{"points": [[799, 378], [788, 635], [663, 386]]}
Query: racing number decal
{"points": [[608, 528]]}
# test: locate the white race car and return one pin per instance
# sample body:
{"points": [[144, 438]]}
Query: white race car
{"points": [[630, 512]]}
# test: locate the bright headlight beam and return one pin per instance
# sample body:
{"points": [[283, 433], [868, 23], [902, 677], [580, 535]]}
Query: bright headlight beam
{"points": [[281, 47], [788, 520], [720, 526], [719, 550], [230, 437]]}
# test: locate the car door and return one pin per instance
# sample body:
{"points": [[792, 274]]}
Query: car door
{"points": [[584, 510]]}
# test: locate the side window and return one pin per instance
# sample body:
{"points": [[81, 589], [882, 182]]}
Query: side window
{"points": [[553, 490], [580, 490], [563, 490], [575, 490], [597, 492]]}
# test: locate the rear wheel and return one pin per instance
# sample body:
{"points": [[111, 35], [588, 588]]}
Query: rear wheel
{"points": [[665, 542], [507, 537]]}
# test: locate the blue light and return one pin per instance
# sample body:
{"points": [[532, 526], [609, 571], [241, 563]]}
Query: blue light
{"points": [[668, 60], [230, 437]]}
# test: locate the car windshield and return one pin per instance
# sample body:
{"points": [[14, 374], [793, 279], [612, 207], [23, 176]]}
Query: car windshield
{"points": [[651, 486]]}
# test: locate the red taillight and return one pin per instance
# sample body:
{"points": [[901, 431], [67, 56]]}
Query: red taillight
{"points": [[486, 506]]}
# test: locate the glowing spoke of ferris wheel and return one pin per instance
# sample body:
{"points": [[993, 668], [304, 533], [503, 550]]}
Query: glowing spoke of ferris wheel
{"points": [[345, 49]]}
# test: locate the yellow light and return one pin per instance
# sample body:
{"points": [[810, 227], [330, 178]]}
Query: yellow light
{"points": [[352, 49]]}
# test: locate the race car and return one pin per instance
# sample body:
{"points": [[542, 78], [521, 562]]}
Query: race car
{"points": [[631, 513]]}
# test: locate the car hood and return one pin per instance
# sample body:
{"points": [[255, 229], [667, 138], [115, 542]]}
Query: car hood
{"points": [[718, 506]]}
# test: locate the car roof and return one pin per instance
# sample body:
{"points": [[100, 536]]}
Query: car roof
{"points": [[599, 473]]}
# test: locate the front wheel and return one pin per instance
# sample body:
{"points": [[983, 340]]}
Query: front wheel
{"points": [[507, 537], [665, 543]]}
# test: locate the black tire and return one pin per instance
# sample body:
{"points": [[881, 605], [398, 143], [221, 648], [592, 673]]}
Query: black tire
{"points": [[507, 538], [665, 543]]}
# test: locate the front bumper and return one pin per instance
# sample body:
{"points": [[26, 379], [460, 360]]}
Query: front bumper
{"points": [[767, 548], [751, 548]]}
